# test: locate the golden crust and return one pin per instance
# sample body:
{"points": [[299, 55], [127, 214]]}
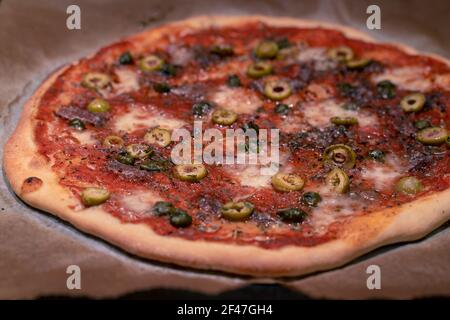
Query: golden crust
{"points": [[364, 233]]}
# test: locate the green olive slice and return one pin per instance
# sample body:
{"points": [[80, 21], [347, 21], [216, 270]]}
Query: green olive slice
{"points": [[277, 89], [77, 124], [158, 136], [409, 185], [340, 155], [190, 172], [286, 182], [224, 117], [139, 151], [413, 102], [151, 63], [125, 158], [266, 50], [311, 198], [341, 54], [358, 63], [113, 142], [98, 106], [237, 211], [180, 219], [432, 135], [338, 180], [292, 215], [259, 69], [95, 80], [421, 124], [94, 196], [346, 121]]}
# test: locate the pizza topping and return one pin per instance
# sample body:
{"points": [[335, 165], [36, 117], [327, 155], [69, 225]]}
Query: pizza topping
{"points": [[340, 155], [292, 215], [341, 54], [286, 182], [432, 136], [358, 63], [72, 112], [190, 172], [282, 109], [259, 69], [311, 198], [163, 208], [266, 50], [96, 80], [338, 180], [155, 165], [139, 151], [113, 142], [413, 102], [151, 63], [94, 196], [377, 155], [161, 87], [409, 185], [201, 108], [125, 158], [237, 211], [77, 124], [344, 120], [277, 89], [421, 124], [180, 219], [159, 136], [222, 50], [386, 89], [98, 106], [233, 81], [126, 58], [224, 117]]}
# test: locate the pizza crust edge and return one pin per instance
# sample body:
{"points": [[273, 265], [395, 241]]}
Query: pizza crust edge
{"points": [[410, 221]]}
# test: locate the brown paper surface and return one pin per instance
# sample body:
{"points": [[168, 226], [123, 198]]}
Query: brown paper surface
{"points": [[36, 248]]}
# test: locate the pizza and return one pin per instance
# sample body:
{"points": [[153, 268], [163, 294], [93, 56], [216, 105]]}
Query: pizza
{"points": [[361, 144]]}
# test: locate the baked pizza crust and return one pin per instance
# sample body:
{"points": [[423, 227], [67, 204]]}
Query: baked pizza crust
{"points": [[362, 234]]}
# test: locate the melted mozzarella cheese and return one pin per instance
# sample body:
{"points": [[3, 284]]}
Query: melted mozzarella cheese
{"points": [[138, 119], [407, 78], [383, 175], [251, 176], [318, 114], [128, 81], [140, 201], [318, 56], [84, 137], [239, 100]]}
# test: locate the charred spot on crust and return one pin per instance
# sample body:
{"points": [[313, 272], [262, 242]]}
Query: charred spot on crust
{"points": [[31, 184]]}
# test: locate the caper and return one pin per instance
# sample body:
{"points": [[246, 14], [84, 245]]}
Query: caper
{"points": [[282, 109], [222, 50], [286, 182], [409, 185], [77, 124], [190, 172], [341, 54], [386, 89], [413, 102], [154, 165], [448, 141], [346, 89], [139, 151], [349, 106], [151, 63], [376, 155], [233, 81], [125, 158], [95, 80], [340, 155], [224, 117], [358, 63], [259, 69], [266, 50], [432, 135], [201, 108], [311, 198], [98, 106], [126, 58], [292, 215], [277, 89], [161, 87], [94, 196], [168, 69], [180, 219], [113, 142], [283, 43], [421, 124], [159, 136], [344, 120], [338, 180], [237, 211], [162, 208]]}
